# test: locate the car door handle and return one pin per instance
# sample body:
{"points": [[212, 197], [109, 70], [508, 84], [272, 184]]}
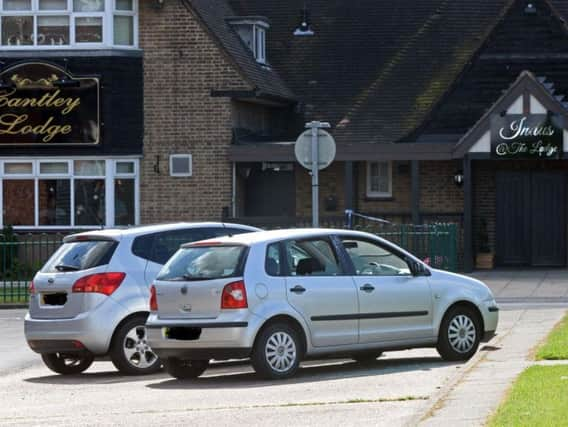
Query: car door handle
{"points": [[367, 288], [298, 289]]}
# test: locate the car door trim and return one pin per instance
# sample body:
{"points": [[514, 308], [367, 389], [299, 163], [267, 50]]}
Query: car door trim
{"points": [[361, 316], [200, 325]]}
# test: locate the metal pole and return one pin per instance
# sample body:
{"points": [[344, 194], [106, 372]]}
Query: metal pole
{"points": [[315, 177]]}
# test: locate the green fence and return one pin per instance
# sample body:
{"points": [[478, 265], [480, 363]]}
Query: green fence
{"points": [[21, 255]]}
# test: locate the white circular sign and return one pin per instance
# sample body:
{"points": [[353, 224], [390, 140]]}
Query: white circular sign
{"points": [[326, 149]]}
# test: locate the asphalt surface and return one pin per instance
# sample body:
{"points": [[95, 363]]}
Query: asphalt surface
{"points": [[390, 391], [14, 351]]}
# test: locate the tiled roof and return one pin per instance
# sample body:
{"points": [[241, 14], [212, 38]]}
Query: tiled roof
{"points": [[214, 14], [378, 70]]}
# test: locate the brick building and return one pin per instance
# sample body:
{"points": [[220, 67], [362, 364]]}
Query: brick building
{"points": [[189, 109]]}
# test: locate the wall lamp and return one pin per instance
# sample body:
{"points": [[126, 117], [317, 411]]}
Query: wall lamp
{"points": [[458, 178], [65, 81]]}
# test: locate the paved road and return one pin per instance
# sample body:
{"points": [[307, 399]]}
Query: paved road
{"points": [[391, 391], [14, 352]]}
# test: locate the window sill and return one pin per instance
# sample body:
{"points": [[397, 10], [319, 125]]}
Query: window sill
{"points": [[379, 198]]}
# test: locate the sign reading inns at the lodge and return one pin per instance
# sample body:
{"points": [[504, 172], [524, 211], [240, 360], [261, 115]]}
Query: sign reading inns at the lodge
{"points": [[527, 136], [41, 104]]}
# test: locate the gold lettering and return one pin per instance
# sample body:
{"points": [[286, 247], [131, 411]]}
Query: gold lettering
{"points": [[47, 100], [9, 125]]}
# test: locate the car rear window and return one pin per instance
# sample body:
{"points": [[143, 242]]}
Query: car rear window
{"points": [[205, 263], [76, 256]]}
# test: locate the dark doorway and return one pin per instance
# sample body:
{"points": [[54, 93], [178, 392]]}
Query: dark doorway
{"points": [[270, 192], [531, 218]]}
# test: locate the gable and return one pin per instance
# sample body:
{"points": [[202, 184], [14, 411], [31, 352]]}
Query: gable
{"points": [[537, 42]]}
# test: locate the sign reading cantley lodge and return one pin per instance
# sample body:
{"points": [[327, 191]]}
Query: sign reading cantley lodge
{"points": [[527, 136], [36, 108]]}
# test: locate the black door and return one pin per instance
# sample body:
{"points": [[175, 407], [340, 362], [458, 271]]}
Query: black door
{"points": [[531, 228], [270, 193], [547, 220]]}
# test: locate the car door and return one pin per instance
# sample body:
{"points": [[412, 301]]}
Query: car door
{"points": [[393, 303], [318, 288]]}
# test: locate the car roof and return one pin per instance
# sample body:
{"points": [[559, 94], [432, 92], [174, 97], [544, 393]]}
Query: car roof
{"points": [[284, 234], [117, 233]]}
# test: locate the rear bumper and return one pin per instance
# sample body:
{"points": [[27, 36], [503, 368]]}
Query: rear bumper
{"points": [[57, 346], [221, 339], [204, 353], [92, 329]]}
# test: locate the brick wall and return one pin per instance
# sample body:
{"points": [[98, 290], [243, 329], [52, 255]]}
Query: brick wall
{"points": [[182, 64], [438, 193], [331, 182]]}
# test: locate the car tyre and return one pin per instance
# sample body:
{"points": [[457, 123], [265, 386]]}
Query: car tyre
{"points": [[130, 352], [277, 351], [67, 364], [460, 334], [183, 369], [369, 357]]}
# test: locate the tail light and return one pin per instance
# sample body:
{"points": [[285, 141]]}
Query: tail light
{"points": [[101, 283], [234, 295], [153, 299], [31, 288]]}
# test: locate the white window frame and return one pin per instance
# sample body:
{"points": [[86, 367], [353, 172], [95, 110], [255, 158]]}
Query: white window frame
{"points": [[181, 156], [107, 31], [378, 194], [109, 175], [259, 39]]}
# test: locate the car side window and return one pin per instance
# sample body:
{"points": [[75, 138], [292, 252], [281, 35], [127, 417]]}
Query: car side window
{"points": [[272, 264], [312, 257], [371, 259]]}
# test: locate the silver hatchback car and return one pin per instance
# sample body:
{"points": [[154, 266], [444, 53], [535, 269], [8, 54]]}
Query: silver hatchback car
{"points": [[91, 297], [281, 296]]}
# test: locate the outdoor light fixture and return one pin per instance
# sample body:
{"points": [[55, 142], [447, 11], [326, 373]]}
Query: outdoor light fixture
{"points": [[530, 9], [458, 178], [158, 4], [66, 81], [304, 29]]}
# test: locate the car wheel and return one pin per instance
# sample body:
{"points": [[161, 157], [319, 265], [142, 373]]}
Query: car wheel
{"points": [[276, 353], [185, 369], [460, 333], [367, 357], [130, 352], [67, 364]]}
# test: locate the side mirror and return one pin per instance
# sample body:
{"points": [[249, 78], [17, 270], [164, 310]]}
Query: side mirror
{"points": [[417, 268]]}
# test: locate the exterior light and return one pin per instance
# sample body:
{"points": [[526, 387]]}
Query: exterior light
{"points": [[530, 9], [158, 4], [304, 29], [65, 80], [458, 178]]}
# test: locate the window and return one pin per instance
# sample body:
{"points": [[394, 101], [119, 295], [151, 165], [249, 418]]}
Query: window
{"points": [[259, 44], [379, 179], [68, 23], [181, 165], [272, 264], [314, 257], [253, 34], [68, 193], [371, 259]]}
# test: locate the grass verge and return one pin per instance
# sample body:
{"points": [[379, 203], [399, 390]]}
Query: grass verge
{"points": [[539, 397], [556, 345]]}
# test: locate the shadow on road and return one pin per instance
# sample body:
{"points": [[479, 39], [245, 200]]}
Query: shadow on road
{"points": [[240, 374], [314, 371]]}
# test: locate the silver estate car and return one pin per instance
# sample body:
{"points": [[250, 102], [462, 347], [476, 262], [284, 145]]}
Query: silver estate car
{"points": [[91, 297], [281, 296]]}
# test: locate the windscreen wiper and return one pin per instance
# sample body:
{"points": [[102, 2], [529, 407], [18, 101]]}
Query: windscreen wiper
{"points": [[67, 267]]}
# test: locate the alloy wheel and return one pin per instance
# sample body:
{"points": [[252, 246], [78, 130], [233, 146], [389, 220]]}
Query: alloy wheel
{"points": [[136, 349], [462, 333], [280, 351]]}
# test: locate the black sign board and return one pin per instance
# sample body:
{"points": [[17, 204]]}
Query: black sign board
{"points": [[528, 136], [41, 104]]}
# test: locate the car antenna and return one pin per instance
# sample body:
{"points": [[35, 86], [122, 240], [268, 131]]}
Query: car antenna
{"points": [[225, 227]]}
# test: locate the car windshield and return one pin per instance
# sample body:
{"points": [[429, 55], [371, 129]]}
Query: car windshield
{"points": [[75, 256], [204, 263]]}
